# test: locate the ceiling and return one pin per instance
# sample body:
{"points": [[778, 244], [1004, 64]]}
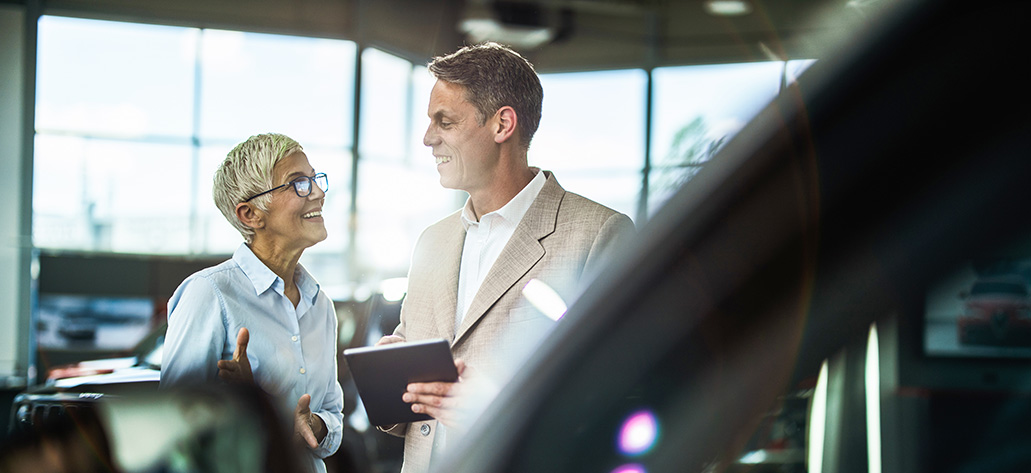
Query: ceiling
{"points": [[584, 34]]}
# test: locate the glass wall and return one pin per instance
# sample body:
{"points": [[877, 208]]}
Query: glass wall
{"points": [[398, 190], [696, 109], [114, 121], [132, 120], [592, 134]]}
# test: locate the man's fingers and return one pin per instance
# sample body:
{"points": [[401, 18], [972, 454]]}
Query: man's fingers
{"points": [[242, 338], [435, 389], [429, 400], [388, 339]]}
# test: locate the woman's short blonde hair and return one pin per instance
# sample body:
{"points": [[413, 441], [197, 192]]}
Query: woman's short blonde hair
{"points": [[246, 171]]}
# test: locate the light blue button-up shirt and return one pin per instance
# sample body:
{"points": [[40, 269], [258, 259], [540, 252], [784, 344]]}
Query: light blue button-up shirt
{"points": [[292, 351]]}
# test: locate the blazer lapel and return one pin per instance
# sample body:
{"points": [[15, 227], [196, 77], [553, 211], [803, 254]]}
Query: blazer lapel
{"points": [[448, 263], [520, 255]]}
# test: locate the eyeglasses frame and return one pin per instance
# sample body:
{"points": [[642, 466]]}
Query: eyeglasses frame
{"points": [[311, 183]]}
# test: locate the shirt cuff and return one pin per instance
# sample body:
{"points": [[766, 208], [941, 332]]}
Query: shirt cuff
{"points": [[331, 442]]}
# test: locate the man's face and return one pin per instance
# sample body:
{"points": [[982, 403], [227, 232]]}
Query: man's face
{"points": [[465, 151]]}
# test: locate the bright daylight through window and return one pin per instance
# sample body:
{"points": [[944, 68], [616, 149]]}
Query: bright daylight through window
{"points": [[132, 120]]}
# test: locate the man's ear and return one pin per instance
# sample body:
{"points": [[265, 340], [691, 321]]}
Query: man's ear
{"points": [[250, 215], [506, 124]]}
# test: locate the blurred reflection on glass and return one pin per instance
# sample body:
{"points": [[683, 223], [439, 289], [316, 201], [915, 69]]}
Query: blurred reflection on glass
{"points": [[631, 468], [639, 433], [697, 108]]}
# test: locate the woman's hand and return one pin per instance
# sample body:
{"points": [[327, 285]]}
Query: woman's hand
{"points": [[307, 426], [238, 369]]}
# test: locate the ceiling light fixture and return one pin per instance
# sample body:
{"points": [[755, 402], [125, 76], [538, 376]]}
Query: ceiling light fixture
{"points": [[728, 7], [488, 29], [522, 26]]}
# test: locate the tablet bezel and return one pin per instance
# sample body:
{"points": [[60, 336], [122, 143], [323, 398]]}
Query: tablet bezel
{"points": [[381, 374]]}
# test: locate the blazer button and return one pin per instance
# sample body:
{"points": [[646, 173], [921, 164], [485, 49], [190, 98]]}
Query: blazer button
{"points": [[424, 429]]}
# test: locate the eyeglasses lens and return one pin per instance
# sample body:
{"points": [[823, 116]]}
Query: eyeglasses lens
{"points": [[303, 184]]}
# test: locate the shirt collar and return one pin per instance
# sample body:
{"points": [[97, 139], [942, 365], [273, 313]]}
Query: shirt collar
{"points": [[264, 279], [516, 208], [307, 285]]}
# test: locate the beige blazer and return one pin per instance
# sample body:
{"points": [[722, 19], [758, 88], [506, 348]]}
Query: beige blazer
{"points": [[562, 240]]}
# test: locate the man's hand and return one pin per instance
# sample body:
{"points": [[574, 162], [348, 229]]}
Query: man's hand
{"points": [[307, 426], [238, 369], [388, 339], [444, 401]]}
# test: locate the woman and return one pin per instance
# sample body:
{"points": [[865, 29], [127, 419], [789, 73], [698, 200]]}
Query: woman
{"points": [[260, 317]]}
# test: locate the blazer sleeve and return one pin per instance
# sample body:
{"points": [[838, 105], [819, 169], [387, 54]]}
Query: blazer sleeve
{"points": [[617, 232]]}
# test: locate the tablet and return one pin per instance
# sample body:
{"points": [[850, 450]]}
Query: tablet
{"points": [[381, 374]]}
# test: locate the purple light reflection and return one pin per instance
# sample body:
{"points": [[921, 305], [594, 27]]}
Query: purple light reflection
{"points": [[639, 433], [629, 468]]}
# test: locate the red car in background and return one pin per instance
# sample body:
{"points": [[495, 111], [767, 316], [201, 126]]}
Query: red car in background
{"points": [[997, 311]]}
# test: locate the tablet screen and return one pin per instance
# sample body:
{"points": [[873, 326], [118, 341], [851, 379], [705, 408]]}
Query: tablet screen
{"points": [[381, 374]]}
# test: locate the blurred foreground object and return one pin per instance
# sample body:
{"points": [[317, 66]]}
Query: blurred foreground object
{"points": [[215, 429]]}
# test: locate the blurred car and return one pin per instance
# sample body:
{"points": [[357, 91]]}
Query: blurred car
{"points": [[81, 390], [997, 311], [78, 328], [145, 355], [79, 386]]}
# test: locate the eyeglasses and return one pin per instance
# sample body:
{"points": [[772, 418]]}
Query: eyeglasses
{"points": [[302, 185]]}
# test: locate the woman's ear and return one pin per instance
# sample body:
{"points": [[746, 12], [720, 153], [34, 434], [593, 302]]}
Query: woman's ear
{"points": [[506, 124], [250, 215]]}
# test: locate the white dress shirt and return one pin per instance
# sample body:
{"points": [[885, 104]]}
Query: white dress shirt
{"points": [[484, 240], [292, 351]]}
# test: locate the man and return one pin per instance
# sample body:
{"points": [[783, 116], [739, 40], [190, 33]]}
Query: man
{"points": [[518, 224]]}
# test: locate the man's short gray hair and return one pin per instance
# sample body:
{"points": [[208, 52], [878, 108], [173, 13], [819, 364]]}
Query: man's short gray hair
{"points": [[246, 171], [495, 76]]}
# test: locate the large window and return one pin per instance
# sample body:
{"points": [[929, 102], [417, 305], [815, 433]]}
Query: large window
{"points": [[398, 190], [114, 120], [696, 109], [132, 120], [592, 134]]}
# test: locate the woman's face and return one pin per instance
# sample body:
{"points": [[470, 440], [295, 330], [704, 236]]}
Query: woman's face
{"points": [[294, 222]]}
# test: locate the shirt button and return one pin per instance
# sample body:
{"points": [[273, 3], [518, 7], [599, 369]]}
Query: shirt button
{"points": [[302, 370], [294, 338], [424, 429]]}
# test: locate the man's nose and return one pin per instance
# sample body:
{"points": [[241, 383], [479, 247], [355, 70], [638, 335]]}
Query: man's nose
{"points": [[430, 137]]}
